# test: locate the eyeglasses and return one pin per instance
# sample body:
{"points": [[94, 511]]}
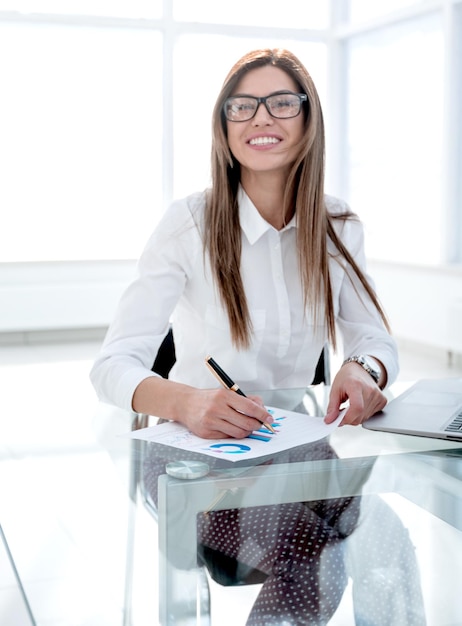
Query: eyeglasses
{"points": [[280, 105]]}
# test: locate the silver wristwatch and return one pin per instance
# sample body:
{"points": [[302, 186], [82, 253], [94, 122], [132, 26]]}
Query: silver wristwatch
{"points": [[366, 363]]}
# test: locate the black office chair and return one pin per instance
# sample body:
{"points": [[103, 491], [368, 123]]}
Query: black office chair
{"points": [[166, 356], [224, 570]]}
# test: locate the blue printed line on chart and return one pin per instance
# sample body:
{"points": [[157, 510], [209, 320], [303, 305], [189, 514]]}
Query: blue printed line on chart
{"points": [[278, 419], [262, 434], [259, 437]]}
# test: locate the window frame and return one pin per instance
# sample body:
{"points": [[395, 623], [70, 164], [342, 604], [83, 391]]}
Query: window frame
{"points": [[18, 282]]}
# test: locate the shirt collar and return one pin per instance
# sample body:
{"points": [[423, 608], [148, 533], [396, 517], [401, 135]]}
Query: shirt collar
{"points": [[252, 223]]}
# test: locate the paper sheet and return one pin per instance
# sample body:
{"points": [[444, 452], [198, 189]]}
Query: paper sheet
{"points": [[292, 429]]}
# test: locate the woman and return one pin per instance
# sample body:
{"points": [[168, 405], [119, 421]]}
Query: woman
{"points": [[258, 271]]}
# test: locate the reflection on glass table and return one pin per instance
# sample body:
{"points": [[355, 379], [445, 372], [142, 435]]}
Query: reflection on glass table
{"points": [[319, 530], [18, 608]]}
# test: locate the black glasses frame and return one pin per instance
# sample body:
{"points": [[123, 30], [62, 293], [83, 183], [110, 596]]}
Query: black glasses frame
{"points": [[302, 97]]}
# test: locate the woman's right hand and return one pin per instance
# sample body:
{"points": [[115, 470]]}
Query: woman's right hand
{"points": [[208, 413]]}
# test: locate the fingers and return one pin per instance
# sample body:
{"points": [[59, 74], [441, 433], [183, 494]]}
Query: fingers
{"points": [[218, 414], [363, 405], [333, 408], [363, 395]]}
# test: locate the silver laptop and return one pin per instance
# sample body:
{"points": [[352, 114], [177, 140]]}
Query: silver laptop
{"points": [[430, 408]]}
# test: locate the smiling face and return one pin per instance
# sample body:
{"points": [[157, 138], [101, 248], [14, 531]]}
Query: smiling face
{"points": [[265, 143]]}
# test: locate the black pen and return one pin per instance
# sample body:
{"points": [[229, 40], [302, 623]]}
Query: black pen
{"points": [[229, 383]]}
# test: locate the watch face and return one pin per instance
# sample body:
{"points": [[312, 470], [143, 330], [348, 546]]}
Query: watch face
{"points": [[375, 372]]}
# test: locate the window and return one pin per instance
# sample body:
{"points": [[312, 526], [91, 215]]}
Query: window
{"points": [[81, 129], [362, 10], [453, 145], [96, 139], [108, 8], [93, 108], [307, 14], [395, 126]]}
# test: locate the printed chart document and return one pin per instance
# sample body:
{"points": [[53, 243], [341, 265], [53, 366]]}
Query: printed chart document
{"points": [[292, 429]]}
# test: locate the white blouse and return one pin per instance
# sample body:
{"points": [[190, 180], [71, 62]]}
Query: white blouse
{"points": [[174, 284]]}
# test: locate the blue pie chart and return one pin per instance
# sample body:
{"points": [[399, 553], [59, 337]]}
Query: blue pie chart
{"points": [[230, 448]]}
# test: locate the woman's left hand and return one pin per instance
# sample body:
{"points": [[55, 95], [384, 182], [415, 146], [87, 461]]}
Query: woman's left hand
{"points": [[365, 398]]}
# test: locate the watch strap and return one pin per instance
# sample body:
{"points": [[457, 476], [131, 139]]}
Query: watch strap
{"points": [[361, 360]]}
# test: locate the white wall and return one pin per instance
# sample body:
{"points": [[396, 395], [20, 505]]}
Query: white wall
{"points": [[60, 296], [424, 304]]}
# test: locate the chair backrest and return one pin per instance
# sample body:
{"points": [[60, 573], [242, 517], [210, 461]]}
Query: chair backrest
{"points": [[166, 358], [322, 372]]}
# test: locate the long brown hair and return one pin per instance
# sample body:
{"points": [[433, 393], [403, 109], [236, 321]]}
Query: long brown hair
{"points": [[304, 191]]}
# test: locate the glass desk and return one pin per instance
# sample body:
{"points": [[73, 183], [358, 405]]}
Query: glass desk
{"points": [[364, 524], [19, 604]]}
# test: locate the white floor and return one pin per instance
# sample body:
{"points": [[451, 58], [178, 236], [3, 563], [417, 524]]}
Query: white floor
{"points": [[63, 486]]}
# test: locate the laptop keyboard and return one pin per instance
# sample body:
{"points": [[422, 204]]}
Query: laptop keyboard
{"points": [[456, 425]]}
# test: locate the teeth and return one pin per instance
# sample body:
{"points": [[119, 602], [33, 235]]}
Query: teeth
{"points": [[262, 141]]}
